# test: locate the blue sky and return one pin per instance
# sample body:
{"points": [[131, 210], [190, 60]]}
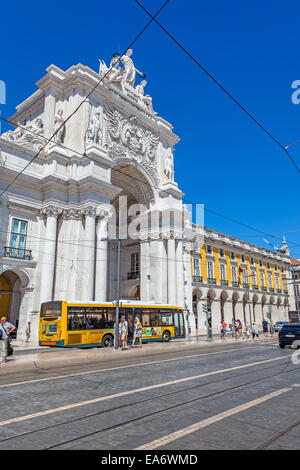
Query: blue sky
{"points": [[223, 159]]}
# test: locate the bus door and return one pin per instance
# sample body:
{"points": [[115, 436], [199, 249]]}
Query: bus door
{"points": [[178, 324]]}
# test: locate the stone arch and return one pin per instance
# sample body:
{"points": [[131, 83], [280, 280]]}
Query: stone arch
{"points": [[235, 298], [13, 282], [279, 301], [245, 301], [263, 303], [223, 297], [196, 296], [254, 302], [286, 302]]}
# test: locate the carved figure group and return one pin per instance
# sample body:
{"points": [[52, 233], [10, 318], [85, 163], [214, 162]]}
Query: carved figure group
{"points": [[30, 134]]}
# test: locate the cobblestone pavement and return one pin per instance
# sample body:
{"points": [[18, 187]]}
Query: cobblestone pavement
{"points": [[220, 396]]}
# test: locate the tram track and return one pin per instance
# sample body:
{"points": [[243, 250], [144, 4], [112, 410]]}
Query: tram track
{"points": [[138, 402], [277, 436]]}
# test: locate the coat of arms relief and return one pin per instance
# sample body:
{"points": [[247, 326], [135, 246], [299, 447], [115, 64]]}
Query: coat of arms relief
{"points": [[124, 137]]}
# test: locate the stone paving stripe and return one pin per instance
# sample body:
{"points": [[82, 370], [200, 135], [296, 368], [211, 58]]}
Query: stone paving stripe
{"points": [[76, 374], [157, 443], [130, 392]]}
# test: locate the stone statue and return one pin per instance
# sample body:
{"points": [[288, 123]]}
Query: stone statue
{"points": [[58, 124], [129, 69], [146, 99], [169, 170], [94, 133], [113, 73]]}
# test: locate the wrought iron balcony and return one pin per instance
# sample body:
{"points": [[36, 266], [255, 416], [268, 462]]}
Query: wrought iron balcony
{"points": [[211, 280], [286, 291], [224, 282], [278, 291], [19, 253], [254, 286], [263, 288], [134, 275], [246, 285], [271, 289], [197, 279], [235, 284]]}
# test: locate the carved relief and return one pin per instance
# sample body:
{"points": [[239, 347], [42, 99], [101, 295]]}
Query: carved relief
{"points": [[30, 135], [125, 138], [58, 127]]}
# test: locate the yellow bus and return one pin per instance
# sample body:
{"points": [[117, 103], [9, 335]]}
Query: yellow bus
{"points": [[91, 324]]}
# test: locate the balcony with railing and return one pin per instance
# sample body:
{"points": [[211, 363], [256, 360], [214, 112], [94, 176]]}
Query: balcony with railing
{"points": [[17, 253], [211, 280], [197, 279], [235, 284], [133, 275], [278, 291], [224, 282], [286, 291], [263, 288], [246, 285], [271, 289]]}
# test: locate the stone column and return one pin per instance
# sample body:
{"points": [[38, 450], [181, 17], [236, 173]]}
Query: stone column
{"points": [[89, 254], [101, 261], [179, 274], [171, 272], [145, 270], [48, 260]]}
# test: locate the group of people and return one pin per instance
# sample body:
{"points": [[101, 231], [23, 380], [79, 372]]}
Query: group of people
{"points": [[238, 331], [123, 332]]}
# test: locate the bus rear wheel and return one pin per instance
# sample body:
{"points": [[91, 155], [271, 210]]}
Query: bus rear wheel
{"points": [[166, 337], [107, 341]]}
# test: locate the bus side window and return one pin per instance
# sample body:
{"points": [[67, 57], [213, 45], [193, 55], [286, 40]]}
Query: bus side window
{"points": [[146, 318], [154, 318]]}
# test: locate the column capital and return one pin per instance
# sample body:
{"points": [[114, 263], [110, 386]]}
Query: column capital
{"points": [[50, 211]]}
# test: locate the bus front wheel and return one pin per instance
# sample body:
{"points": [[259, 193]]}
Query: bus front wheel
{"points": [[107, 341], [166, 337]]}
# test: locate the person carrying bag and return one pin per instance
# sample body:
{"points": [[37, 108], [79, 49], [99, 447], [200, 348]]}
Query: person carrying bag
{"points": [[6, 329]]}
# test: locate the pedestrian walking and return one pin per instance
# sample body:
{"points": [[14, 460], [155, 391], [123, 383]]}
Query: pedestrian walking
{"points": [[255, 333], [137, 332], [124, 332], [247, 330], [265, 327], [6, 328], [28, 331], [223, 329], [240, 329]]}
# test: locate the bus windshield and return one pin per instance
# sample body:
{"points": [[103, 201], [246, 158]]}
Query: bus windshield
{"points": [[51, 309]]}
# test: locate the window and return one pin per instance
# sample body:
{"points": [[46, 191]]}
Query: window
{"points": [[196, 267], [232, 255], [233, 273], [135, 262], [275, 267], [277, 281], [262, 279], [282, 269], [223, 272], [210, 270], [270, 280], [245, 277], [221, 253], [253, 276], [268, 265], [260, 263], [18, 235], [252, 260], [208, 249], [90, 318], [243, 259]]}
